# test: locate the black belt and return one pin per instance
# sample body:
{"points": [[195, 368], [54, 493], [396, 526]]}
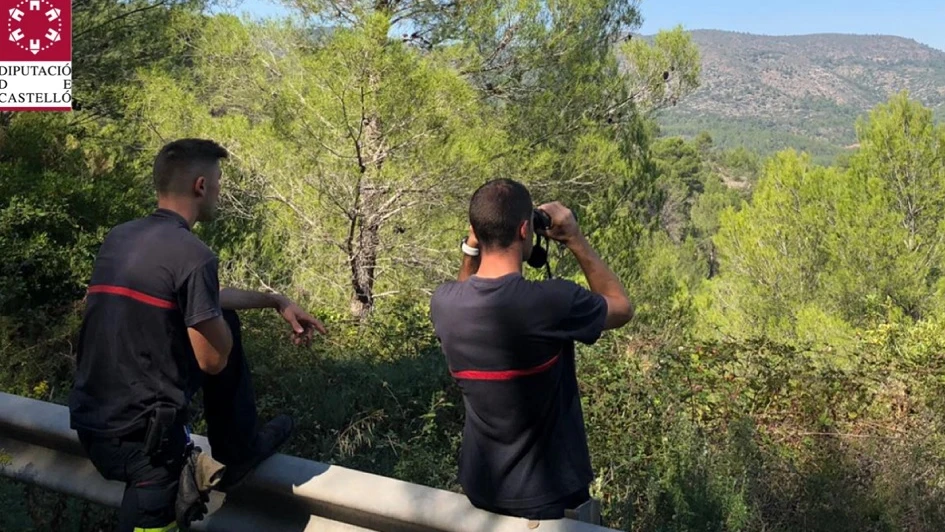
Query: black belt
{"points": [[152, 431]]}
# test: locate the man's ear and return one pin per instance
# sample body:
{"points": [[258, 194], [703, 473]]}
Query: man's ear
{"points": [[523, 230], [200, 186]]}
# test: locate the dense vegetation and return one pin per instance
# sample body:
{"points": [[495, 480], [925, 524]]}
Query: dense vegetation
{"points": [[783, 372]]}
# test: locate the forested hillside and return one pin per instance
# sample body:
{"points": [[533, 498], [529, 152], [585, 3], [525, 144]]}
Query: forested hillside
{"points": [[769, 93], [782, 371]]}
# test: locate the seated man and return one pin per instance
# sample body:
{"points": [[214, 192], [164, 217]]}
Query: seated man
{"points": [[156, 328], [509, 343]]}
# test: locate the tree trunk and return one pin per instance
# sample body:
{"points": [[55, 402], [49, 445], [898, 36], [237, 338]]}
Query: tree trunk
{"points": [[713, 261], [364, 260], [364, 232], [5, 119]]}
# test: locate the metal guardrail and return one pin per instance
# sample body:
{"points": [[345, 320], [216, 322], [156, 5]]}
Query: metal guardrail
{"points": [[284, 494]]}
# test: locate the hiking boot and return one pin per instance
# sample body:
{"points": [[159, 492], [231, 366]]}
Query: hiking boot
{"points": [[268, 440]]}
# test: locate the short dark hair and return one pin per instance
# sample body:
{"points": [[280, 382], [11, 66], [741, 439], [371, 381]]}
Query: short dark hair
{"points": [[180, 162], [496, 211]]}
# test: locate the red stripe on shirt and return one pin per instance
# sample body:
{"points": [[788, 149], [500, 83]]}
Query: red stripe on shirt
{"points": [[504, 375], [133, 294]]}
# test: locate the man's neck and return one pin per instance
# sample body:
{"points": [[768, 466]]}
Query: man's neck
{"points": [[497, 264], [182, 207]]}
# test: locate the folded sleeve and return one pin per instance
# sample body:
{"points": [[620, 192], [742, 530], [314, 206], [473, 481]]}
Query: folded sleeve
{"points": [[199, 295]]}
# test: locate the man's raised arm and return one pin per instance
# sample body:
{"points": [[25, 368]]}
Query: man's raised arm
{"points": [[470, 263], [601, 279]]}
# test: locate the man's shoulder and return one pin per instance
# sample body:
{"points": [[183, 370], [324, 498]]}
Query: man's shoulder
{"points": [[446, 286], [562, 295], [443, 292], [558, 287], [128, 234], [182, 244], [125, 228], [167, 243], [195, 248]]}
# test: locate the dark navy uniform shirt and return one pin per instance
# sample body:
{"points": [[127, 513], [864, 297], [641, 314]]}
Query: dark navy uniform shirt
{"points": [[152, 279], [509, 343]]}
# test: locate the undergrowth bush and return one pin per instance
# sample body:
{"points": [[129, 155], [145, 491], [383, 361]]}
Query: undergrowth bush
{"points": [[754, 436], [698, 436]]}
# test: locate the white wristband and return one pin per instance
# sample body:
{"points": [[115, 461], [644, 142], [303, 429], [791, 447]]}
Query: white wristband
{"points": [[471, 251]]}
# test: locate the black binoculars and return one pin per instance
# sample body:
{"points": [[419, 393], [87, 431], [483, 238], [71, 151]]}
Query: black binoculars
{"points": [[540, 220], [539, 256]]}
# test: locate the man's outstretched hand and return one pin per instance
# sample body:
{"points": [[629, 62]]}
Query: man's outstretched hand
{"points": [[302, 323]]}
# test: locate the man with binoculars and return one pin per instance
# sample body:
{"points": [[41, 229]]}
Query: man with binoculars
{"points": [[509, 343]]}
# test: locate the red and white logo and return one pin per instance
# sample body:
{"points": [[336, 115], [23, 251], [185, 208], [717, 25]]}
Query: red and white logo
{"points": [[36, 55]]}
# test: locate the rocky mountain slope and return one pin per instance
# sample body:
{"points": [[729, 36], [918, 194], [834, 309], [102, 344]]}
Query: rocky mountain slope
{"points": [[772, 92]]}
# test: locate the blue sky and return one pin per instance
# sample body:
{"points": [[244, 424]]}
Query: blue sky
{"points": [[922, 20]]}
